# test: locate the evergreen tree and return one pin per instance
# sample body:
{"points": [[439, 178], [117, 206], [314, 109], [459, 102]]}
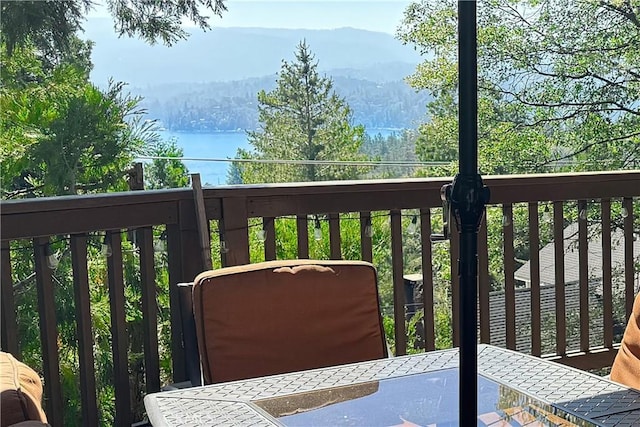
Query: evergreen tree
{"points": [[165, 172], [302, 119]]}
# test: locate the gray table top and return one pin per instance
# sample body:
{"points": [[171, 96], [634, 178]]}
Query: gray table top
{"points": [[577, 392]]}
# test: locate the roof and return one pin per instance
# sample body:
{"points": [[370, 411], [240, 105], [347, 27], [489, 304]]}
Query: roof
{"points": [[497, 318], [571, 259]]}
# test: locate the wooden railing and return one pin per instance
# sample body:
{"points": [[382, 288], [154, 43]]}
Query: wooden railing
{"points": [[231, 210]]}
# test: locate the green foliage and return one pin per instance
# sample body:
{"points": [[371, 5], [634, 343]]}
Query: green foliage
{"points": [[393, 148], [302, 119], [545, 93], [152, 20], [60, 133], [163, 172], [51, 24]]}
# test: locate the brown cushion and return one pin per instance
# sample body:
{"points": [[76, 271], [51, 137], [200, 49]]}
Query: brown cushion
{"points": [[626, 366], [31, 424], [284, 316], [20, 392]]}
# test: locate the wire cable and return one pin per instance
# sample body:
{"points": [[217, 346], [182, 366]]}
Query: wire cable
{"points": [[403, 163]]}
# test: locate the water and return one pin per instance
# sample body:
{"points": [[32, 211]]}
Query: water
{"points": [[219, 146]]}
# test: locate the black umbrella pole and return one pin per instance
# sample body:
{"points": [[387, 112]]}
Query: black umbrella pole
{"points": [[467, 197], [468, 329]]}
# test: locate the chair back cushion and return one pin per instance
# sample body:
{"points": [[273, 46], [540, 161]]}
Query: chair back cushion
{"points": [[284, 316], [20, 392], [626, 366]]}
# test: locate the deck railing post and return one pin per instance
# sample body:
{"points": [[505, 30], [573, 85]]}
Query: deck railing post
{"points": [[236, 230], [7, 305]]}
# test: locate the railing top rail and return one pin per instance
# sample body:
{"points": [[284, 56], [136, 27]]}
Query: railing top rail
{"points": [[565, 186], [88, 201], [27, 218], [290, 188]]}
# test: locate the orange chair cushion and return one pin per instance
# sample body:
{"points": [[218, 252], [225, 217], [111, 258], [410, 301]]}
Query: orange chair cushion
{"points": [[626, 366], [285, 316], [20, 392]]}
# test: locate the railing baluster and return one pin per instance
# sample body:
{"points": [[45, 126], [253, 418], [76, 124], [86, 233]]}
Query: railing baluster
{"points": [[583, 274], [302, 227], [427, 281], [627, 211], [534, 274], [558, 240], [509, 270], [454, 249], [149, 309], [48, 334], [334, 236], [85, 334], [9, 324], [483, 283], [366, 246], [607, 295], [119, 337], [398, 283], [174, 257], [269, 227]]}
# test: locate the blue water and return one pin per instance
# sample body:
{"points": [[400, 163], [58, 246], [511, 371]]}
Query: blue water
{"points": [[218, 146]]}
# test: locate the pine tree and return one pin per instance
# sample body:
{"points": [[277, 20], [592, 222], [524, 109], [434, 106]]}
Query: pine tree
{"points": [[302, 119]]}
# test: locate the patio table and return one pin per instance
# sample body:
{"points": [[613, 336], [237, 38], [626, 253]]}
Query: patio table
{"points": [[413, 390]]}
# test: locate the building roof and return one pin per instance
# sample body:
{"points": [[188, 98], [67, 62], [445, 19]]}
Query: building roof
{"points": [[571, 259], [497, 318]]}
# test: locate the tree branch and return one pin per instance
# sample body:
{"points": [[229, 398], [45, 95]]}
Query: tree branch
{"points": [[587, 147]]}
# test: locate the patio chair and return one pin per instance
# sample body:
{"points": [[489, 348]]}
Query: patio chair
{"points": [[283, 316], [20, 394], [626, 366]]}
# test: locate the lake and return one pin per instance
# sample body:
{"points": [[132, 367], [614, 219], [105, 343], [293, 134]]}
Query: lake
{"points": [[219, 147]]}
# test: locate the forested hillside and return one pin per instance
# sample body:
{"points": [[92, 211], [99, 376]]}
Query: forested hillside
{"points": [[210, 81], [230, 106]]}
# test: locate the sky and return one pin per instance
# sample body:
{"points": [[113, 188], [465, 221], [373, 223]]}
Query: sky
{"points": [[372, 15]]}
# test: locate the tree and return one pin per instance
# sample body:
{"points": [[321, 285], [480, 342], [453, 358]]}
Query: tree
{"points": [[50, 24], [165, 172], [396, 147], [557, 81], [559, 85], [60, 133], [302, 119]]}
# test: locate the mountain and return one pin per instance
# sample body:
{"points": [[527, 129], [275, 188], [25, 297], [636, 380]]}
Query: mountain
{"points": [[231, 106], [226, 54]]}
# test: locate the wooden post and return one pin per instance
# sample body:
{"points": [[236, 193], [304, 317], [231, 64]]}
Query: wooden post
{"points": [[235, 230], [136, 177], [201, 220], [8, 308]]}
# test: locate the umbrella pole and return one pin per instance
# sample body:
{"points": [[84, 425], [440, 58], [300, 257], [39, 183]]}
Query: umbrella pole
{"points": [[467, 197]]}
